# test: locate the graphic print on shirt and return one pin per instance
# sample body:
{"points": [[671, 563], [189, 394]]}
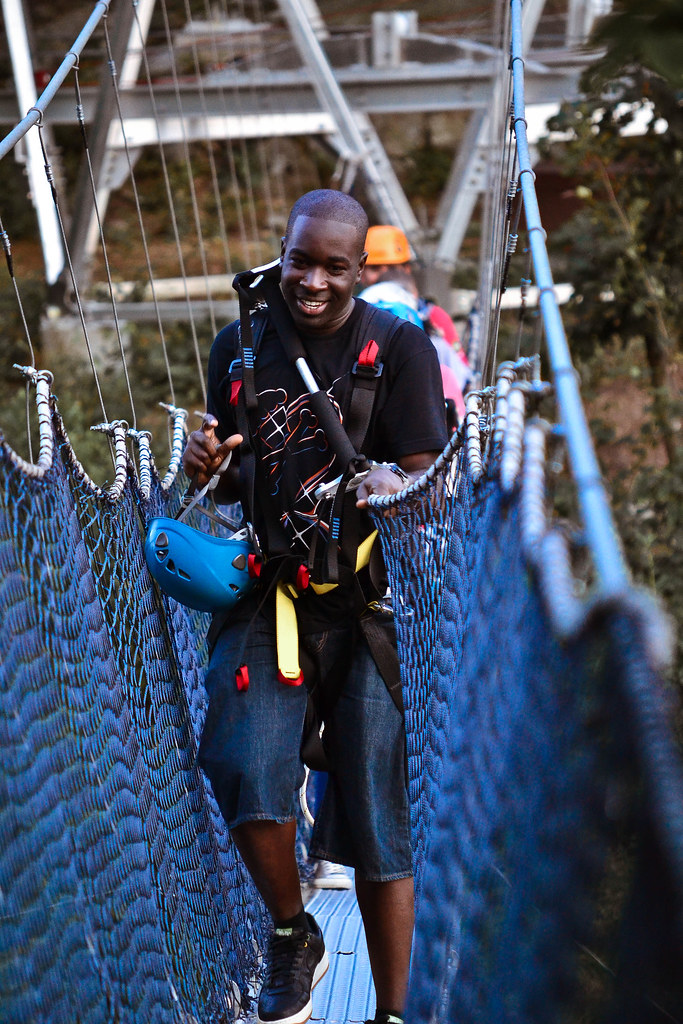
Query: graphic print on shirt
{"points": [[296, 460]]}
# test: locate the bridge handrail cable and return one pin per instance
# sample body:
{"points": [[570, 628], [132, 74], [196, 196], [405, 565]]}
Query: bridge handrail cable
{"points": [[34, 115], [597, 519]]}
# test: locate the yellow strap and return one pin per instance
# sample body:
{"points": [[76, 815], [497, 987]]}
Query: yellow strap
{"points": [[362, 559], [285, 615], [364, 549], [287, 634], [323, 588]]}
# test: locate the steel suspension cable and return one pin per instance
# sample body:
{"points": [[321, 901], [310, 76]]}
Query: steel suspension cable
{"points": [[76, 291], [259, 144], [234, 184], [525, 283], [193, 200], [595, 512], [223, 231], [502, 240], [117, 326], [36, 112], [490, 219], [499, 235], [138, 207], [251, 202], [275, 142]]}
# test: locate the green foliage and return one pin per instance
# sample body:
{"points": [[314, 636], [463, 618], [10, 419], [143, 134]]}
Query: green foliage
{"points": [[649, 512], [18, 215], [147, 365], [638, 35], [15, 347], [622, 253], [646, 489], [427, 170], [625, 242]]}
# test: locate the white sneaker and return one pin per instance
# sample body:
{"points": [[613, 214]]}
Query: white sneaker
{"points": [[330, 876]]}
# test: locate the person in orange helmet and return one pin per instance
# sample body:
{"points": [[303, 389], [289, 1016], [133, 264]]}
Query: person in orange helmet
{"points": [[387, 247], [388, 281]]}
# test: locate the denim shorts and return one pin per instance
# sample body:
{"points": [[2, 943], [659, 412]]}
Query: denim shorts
{"points": [[250, 748]]}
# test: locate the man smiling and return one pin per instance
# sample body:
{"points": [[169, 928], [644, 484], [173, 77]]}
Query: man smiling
{"points": [[320, 268], [250, 746]]}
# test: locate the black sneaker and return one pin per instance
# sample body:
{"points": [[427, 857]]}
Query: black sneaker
{"points": [[385, 1018], [296, 962]]}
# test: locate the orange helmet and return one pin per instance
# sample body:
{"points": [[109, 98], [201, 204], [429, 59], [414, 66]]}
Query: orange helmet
{"points": [[386, 245]]}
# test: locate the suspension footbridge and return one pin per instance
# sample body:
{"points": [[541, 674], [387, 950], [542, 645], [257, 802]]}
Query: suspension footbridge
{"points": [[538, 730]]}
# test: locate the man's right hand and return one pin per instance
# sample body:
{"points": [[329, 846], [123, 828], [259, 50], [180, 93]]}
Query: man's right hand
{"points": [[204, 453]]}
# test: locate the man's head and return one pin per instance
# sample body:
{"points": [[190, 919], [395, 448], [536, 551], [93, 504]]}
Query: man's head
{"points": [[387, 247], [322, 259]]}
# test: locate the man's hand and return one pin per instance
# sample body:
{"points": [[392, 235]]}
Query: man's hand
{"points": [[204, 453], [382, 480]]}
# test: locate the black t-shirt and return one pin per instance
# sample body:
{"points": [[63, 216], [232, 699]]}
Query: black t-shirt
{"points": [[293, 456]]}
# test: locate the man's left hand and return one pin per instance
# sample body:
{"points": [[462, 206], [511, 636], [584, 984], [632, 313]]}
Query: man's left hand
{"points": [[382, 480]]}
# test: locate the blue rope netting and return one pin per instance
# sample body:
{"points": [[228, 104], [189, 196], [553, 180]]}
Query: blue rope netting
{"points": [[505, 780], [121, 895], [524, 766]]}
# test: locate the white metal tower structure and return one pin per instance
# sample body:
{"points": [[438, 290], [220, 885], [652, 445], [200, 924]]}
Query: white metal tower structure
{"points": [[336, 103], [25, 85]]}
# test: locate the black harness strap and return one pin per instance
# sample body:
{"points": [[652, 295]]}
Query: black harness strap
{"points": [[247, 350], [344, 441], [366, 373], [245, 400], [350, 462], [380, 633]]}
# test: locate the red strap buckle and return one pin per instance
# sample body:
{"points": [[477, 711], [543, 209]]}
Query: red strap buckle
{"points": [[366, 366], [234, 391], [368, 353], [303, 577], [242, 678], [254, 565], [291, 682]]}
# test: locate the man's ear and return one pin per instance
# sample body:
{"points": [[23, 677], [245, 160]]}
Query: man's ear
{"points": [[361, 264], [283, 246]]}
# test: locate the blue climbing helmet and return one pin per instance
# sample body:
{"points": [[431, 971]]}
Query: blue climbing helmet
{"points": [[198, 569], [204, 572], [401, 309]]}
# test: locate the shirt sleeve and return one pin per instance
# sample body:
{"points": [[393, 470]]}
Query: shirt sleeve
{"points": [[411, 418]]}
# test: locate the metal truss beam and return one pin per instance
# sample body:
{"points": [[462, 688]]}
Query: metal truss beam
{"points": [[105, 160], [470, 172], [22, 67], [383, 187], [317, 100], [461, 85]]}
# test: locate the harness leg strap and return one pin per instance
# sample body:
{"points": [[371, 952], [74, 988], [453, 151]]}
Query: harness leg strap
{"points": [[287, 635]]}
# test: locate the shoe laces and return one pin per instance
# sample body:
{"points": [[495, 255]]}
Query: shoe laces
{"points": [[285, 957]]}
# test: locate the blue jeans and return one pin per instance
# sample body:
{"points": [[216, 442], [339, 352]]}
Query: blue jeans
{"points": [[251, 740]]}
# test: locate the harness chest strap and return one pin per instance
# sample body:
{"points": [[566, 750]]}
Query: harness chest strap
{"points": [[286, 628], [365, 372]]}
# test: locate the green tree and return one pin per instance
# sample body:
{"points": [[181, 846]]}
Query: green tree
{"points": [[622, 253]]}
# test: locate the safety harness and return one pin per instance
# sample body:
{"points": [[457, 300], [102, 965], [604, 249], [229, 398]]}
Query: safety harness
{"points": [[343, 558]]}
